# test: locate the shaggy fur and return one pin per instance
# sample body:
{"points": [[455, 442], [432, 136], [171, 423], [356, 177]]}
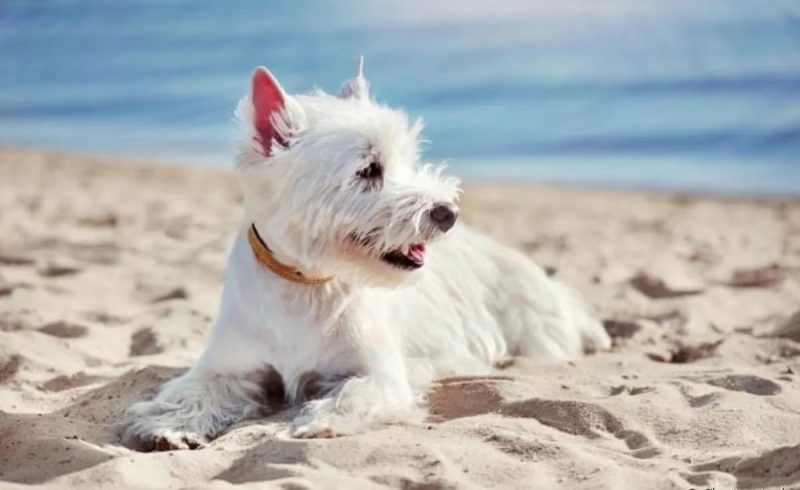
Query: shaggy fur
{"points": [[335, 185]]}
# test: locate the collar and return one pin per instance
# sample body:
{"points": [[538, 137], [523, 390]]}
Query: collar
{"points": [[267, 259]]}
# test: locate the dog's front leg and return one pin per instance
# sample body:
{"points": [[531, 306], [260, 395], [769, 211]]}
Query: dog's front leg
{"points": [[191, 409], [224, 387], [355, 405], [380, 394]]}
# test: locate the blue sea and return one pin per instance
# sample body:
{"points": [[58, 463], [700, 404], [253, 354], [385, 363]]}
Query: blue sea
{"points": [[677, 94]]}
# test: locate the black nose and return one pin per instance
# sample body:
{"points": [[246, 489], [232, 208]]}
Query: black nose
{"points": [[443, 216]]}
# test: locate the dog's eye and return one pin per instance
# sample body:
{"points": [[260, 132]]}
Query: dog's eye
{"points": [[372, 171]]}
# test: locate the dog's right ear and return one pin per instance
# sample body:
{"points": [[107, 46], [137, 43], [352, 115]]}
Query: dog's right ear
{"points": [[269, 102]]}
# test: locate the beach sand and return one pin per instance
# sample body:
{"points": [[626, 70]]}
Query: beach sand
{"points": [[110, 276]]}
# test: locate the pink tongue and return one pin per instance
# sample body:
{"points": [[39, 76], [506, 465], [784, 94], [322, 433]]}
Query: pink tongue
{"points": [[417, 252]]}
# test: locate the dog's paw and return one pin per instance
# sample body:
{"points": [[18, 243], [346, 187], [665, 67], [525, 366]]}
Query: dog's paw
{"points": [[144, 435], [314, 431], [169, 440]]}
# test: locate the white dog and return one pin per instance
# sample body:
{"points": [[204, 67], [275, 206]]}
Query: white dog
{"points": [[350, 286]]}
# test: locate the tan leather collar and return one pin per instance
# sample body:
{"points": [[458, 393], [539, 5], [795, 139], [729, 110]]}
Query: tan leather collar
{"points": [[267, 259]]}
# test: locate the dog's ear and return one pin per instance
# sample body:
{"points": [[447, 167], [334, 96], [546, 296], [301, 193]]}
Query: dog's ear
{"points": [[358, 86], [269, 101]]}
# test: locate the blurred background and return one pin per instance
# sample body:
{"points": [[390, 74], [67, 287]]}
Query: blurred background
{"points": [[680, 94]]}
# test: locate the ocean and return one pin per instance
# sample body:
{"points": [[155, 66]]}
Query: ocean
{"points": [[684, 95]]}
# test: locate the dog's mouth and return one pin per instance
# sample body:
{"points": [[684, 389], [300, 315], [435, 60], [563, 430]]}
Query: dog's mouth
{"points": [[409, 257]]}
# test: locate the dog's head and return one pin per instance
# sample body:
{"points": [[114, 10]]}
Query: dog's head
{"points": [[335, 184]]}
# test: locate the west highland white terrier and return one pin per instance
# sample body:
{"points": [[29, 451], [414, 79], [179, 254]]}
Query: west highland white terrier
{"points": [[350, 286]]}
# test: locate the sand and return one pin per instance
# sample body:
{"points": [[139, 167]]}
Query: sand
{"points": [[110, 275]]}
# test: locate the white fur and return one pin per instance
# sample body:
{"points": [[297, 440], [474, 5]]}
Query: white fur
{"points": [[376, 334]]}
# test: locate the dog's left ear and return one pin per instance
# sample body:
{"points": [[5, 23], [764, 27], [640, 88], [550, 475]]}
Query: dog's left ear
{"points": [[358, 86], [269, 102]]}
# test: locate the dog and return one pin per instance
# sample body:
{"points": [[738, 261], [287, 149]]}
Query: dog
{"points": [[351, 286]]}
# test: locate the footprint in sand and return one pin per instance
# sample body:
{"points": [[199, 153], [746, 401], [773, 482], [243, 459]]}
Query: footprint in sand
{"points": [[178, 292], [747, 383], [583, 419], [144, 342], [760, 277], [58, 268], [773, 468], [703, 400], [9, 257], [656, 288], [621, 329], [61, 383], [465, 396], [455, 398], [686, 353], [64, 330], [573, 417]]}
